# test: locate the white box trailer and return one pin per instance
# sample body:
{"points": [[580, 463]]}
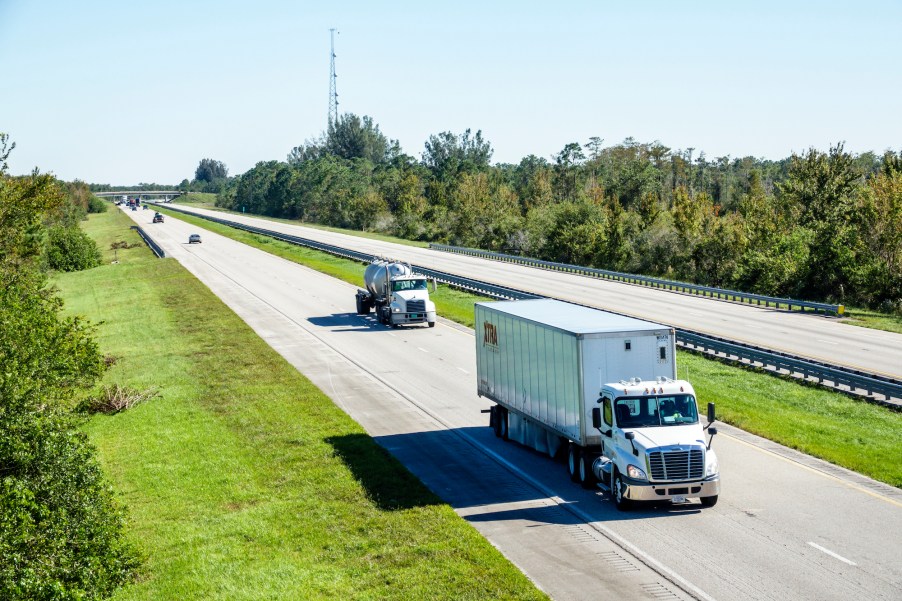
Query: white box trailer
{"points": [[548, 364]]}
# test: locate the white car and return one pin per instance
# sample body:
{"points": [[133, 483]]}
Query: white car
{"points": [[194, 238]]}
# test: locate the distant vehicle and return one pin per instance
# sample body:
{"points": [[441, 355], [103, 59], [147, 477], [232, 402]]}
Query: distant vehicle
{"points": [[194, 238], [158, 218], [134, 208]]}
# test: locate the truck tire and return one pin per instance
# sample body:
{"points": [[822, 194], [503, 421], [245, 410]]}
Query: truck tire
{"points": [[709, 501], [431, 324], [359, 305], [573, 457], [494, 422], [587, 477], [620, 502], [503, 424]]}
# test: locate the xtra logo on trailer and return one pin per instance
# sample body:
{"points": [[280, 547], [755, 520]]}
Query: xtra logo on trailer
{"points": [[489, 335]]}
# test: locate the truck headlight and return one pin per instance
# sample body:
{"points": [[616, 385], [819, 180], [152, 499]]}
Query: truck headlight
{"points": [[635, 473], [711, 464], [396, 309]]}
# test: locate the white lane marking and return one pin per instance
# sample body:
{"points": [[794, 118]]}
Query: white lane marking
{"points": [[828, 342], [419, 348], [463, 370], [832, 554]]}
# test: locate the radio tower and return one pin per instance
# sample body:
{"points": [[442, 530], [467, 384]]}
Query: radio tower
{"points": [[333, 94]]}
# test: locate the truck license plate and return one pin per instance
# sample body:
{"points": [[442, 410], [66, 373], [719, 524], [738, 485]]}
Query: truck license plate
{"points": [[414, 315], [679, 498]]}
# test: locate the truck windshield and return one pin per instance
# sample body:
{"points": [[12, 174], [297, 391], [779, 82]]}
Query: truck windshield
{"points": [[640, 411], [400, 285]]}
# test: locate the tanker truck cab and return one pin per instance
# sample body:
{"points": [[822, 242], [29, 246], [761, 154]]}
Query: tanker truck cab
{"points": [[653, 443], [397, 294], [409, 301]]}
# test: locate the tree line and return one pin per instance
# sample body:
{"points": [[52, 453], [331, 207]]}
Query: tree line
{"points": [[61, 533], [821, 225]]}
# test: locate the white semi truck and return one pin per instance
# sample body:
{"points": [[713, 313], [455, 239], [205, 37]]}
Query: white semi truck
{"points": [[398, 295], [602, 388]]}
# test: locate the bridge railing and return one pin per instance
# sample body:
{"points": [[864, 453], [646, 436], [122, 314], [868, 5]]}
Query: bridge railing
{"points": [[840, 378], [628, 278]]}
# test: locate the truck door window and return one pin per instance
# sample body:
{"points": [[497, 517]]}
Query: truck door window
{"points": [[606, 412]]}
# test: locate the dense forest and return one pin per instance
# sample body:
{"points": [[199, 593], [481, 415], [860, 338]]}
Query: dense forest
{"points": [[820, 225]]}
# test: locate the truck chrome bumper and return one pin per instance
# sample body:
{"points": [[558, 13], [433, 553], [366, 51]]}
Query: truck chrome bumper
{"points": [[402, 318], [666, 491]]}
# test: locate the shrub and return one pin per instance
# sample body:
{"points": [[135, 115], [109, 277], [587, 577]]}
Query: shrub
{"points": [[70, 249], [60, 530], [97, 205]]}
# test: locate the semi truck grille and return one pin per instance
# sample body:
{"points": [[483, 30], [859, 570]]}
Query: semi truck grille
{"points": [[677, 465], [416, 306]]}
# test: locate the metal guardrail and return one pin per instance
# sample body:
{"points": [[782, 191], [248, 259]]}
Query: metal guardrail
{"points": [[706, 291], [157, 250], [839, 378], [848, 380]]}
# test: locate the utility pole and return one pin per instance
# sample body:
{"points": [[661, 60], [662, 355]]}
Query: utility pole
{"points": [[333, 94]]}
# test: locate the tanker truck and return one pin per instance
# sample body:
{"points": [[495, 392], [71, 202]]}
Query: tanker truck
{"points": [[398, 295], [601, 389]]}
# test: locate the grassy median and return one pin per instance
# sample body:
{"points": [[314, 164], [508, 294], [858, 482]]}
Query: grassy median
{"points": [[843, 430], [239, 476]]}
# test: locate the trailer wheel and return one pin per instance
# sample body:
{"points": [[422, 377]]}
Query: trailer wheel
{"points": [[586, 475], [709, 501], [503, 425], [494, 422], [620, 502], [573, 453], [359, 305]]}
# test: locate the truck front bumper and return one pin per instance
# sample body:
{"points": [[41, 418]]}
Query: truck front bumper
{"points": [[402, 318], [637, 490]]}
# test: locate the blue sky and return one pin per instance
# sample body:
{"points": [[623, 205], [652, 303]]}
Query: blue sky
{"points": [[118, 92]]}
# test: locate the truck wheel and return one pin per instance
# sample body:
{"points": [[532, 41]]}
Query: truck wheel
{"points": [[573, 462], [586, 475], [431, 324], [359, 307], [620, 502], [709, 501], [494, 421], [503, 425]]}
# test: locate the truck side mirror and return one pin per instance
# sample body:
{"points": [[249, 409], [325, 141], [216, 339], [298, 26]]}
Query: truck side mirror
{"points": [[630, 436], [712, 432], [711, 416], [596, 418]]}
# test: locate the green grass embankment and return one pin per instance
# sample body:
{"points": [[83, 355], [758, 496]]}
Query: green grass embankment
{"points": [[843, 430], [241, 477]]}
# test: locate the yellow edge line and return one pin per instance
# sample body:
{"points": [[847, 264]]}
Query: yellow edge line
{"points": [[817, 471]]}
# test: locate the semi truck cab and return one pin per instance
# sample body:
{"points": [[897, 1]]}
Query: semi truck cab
{"points": [[653, 444], [409, 301]]}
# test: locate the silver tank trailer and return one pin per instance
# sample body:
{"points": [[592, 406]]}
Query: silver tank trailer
{"points": [[378, 274]]}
